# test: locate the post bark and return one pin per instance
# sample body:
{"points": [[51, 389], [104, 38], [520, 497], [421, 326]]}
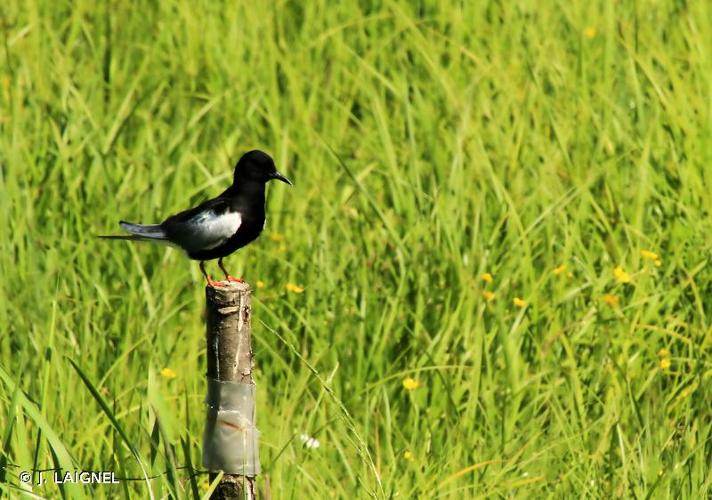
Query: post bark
{"points": [[230, 441]]}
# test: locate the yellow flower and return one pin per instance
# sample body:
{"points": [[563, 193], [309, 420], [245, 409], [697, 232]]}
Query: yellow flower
{"points": [[168, 373], [665, 363], [487, 277], [291, 287], [589, 32], [408, 455], [260, 284], [664, 353], [519, 302], [560, 269], [488, 295], [648, 255], [621, 276], [611, 300], [276, 237], [410, 384]]}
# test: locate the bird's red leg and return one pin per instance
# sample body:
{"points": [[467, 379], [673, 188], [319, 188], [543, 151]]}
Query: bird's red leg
{"points": [[227, 275], [207, 277]]}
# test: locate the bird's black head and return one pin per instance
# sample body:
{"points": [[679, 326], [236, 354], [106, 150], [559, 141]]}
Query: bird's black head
{"points": [[257, 166]]}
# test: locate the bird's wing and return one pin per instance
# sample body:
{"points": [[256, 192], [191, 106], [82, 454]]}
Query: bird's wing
{"points": [[204, 227]]}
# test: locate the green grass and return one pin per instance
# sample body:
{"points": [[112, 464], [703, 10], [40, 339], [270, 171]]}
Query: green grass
{"points": [[428, 146]]}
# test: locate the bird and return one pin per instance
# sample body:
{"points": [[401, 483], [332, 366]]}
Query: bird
{"points": [[219, 226]]}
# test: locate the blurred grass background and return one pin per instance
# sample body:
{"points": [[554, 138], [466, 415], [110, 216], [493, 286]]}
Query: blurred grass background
{"points": [[491, 278]]}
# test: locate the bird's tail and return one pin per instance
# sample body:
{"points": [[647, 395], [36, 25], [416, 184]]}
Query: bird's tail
{"points": [[139, 232]]}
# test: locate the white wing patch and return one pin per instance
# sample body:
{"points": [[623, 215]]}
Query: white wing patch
{"points": [[209, 230]]}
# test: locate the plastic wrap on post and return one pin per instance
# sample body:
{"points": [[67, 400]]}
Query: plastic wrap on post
{"points": [[231, 440]]}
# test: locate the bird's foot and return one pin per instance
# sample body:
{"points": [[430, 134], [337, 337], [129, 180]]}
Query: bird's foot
{"points": [[216, 284], [233, 279]]}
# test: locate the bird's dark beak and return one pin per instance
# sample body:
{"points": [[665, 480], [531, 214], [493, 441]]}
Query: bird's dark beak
{"points": [[282, 178]]}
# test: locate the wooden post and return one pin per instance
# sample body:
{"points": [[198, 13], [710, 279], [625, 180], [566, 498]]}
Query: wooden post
{"points": [[230, 441]]}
